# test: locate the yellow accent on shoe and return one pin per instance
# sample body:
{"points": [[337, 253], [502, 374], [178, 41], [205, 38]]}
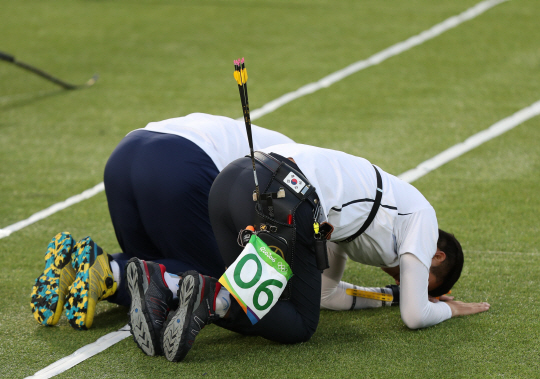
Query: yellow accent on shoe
{"points": [[94, 282], [51, 287], [99, 272]]}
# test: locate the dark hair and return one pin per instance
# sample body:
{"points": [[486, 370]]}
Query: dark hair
{"points": [[449, 270]]}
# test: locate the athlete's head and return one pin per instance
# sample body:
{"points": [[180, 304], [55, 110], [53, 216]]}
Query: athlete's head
{"points": [[446, 265]]}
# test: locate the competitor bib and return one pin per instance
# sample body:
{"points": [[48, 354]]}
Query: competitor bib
{"points": [[257, 278]]}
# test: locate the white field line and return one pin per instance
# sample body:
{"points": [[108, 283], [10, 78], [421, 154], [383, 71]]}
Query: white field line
{"points": [[82, 354], [409, 176], [52, 209], [381, 56], [470, 143]]}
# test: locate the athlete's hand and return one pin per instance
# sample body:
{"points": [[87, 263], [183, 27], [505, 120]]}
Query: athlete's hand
{"points": [[459, 308]]}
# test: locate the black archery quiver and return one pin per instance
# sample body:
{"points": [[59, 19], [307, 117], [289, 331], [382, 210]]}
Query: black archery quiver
{"points": [[275, 221]]}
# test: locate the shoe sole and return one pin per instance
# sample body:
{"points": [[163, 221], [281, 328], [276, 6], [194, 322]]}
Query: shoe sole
{"points": [[51, 287], [87, 289], [141, 325], [175, 330]]}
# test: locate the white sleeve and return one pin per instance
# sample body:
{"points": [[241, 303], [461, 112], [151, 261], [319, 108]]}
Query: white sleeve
{"points": [[417, 234], [332, 296], [416, 310]]}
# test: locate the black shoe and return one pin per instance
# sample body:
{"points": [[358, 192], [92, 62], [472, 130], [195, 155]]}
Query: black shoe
{"points": [[150, 303], [196, 308], [395, 293]]}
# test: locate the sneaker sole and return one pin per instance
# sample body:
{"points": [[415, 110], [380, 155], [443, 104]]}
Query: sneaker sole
{"points": [[174, 332], [51, 287], [141, 325], [88, 288]]}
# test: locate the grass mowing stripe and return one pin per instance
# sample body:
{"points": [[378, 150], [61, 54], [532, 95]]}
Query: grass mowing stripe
{"points": [[271, 106], [82, 354], [472, 142], [379, 57]]}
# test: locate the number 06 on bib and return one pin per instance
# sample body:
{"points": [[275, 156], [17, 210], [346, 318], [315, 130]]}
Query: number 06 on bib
{"points": [[257, 278]]}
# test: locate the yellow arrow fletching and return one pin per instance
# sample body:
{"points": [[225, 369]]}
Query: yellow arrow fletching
{"points": [[369, 295], [244, 75], [237, 77]]}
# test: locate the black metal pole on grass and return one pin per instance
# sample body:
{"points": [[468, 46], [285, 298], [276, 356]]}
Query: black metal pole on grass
{"points": [[11, 59]]}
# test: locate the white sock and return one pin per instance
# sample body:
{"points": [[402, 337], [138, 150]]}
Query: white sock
{"points": [[223, 302], [115, 272], [172, 281]]}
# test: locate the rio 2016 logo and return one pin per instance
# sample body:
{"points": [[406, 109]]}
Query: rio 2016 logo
{"points": [[277, 250], [268, 254]]}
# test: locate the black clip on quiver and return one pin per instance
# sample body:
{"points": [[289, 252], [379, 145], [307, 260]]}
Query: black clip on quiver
{"points": [[275, 212]]}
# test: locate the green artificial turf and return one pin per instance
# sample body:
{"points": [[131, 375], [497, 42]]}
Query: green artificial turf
{"points": [[162, 59]]}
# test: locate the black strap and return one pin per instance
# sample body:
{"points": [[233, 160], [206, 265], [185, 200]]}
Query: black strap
{"points": [[267, 161], [353, 300], [374, 209], [280, 168]]}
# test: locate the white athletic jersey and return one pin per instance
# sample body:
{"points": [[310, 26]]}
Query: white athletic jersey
{"points": [[403, 233], [222, 138], [346, 185]]}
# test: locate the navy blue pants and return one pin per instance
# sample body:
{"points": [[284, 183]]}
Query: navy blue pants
{"points": [[157, 188], [232, 209]]}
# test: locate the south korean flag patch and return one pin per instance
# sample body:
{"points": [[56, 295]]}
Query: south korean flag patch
{"points": [[294, 182]]}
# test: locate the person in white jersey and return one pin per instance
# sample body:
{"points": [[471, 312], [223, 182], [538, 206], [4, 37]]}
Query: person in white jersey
{"points": [[157, 182], [403, 238], [373, 218]]}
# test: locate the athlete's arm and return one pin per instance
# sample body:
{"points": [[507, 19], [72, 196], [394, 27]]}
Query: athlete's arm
{"points": [[332, 294], [416, 309]]}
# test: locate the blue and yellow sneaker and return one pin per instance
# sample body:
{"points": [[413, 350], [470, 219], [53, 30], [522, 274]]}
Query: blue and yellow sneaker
{"points": [[94, 281], [51, 287]]}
